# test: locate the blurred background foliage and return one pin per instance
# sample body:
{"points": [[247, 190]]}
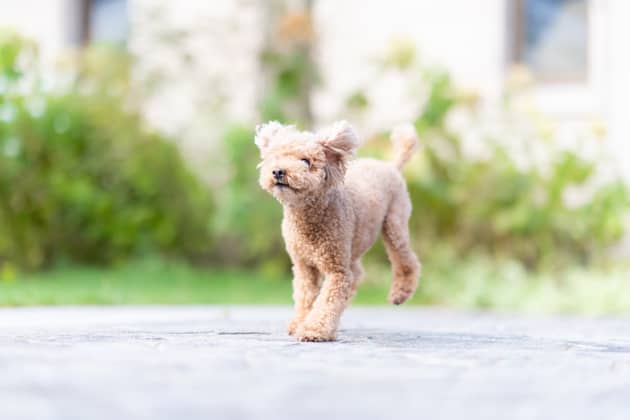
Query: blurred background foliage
{"points": [[84, 180], [497, 206], [491, 205], [81, 177]]}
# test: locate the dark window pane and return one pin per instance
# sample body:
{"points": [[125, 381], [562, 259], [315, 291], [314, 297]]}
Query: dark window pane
{"points": [[554, 38], [108, 21]]}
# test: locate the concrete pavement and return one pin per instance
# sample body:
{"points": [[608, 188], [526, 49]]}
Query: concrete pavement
{"points": [[238, 363]]}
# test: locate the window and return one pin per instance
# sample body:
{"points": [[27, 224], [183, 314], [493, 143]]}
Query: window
{"points": [[551, 39], [104, 21]]}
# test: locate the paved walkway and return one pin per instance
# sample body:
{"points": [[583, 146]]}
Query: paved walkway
{"points": [[237, 363]]}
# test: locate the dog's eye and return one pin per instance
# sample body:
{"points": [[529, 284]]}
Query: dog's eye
{"points": [[308, 162]]}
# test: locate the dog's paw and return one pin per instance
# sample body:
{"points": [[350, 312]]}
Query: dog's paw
{"points": [[399, 296], [310, 334], [314, 338], [293, 325]]}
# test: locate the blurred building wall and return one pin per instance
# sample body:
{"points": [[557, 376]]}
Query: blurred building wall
{"points": [[203, 60], [54, 24], [473, 40], [619, 82], [211, 65], [462, 36]]}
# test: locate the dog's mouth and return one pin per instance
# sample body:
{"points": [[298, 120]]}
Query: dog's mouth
{"points": [[283, 185]]}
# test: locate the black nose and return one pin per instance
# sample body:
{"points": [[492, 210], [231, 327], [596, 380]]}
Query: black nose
{"points": [[278, 174]]}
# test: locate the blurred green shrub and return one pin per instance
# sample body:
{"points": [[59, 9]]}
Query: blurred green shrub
{"points": [[493, 206], [501, 208], [248, 219], [81, 178], [506, 209], [288, 65]]}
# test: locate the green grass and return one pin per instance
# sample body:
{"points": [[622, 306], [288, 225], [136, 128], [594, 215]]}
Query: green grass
{"points": [[142, 282], [154, 282], [474, 283]]}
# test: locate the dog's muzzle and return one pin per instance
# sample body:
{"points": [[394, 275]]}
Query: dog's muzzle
{"points": [[279, 174]]}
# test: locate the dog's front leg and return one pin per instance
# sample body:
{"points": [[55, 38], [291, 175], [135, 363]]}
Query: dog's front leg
{"points": [[322, 322], [306, 285]]}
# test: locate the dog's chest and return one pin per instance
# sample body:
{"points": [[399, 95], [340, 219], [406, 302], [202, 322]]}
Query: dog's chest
{"points": [[305, 240]]}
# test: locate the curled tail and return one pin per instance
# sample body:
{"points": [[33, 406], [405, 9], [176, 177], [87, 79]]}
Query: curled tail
{"points": [[406, 143]]}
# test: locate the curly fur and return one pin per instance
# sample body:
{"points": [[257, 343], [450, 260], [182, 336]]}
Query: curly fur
{"points": [[334, 209]]}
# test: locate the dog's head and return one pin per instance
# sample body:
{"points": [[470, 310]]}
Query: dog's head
{"points": [[299, 165]]}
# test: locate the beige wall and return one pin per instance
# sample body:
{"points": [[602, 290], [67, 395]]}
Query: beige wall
{"points": [[469, 38], [464, 36], [51, 22], [619, 83]]}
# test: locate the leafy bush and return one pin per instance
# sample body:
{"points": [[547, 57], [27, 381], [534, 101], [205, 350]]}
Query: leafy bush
{"points": [[248, 219], [500, 203], [506, 209], [289, 69], [493, 205], [82, 179]]}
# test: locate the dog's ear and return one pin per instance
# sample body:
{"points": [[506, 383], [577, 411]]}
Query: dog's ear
{"points": [[265, 134], [340, 142], [340, 138]]}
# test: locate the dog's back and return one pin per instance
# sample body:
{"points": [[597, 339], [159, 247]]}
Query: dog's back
{"points": [[372, 185], [377, 188]]}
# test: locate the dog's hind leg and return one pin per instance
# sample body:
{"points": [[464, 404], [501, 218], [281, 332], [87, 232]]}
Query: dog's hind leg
{"points": [[306, 285], [357, 277], [405, 265]]}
